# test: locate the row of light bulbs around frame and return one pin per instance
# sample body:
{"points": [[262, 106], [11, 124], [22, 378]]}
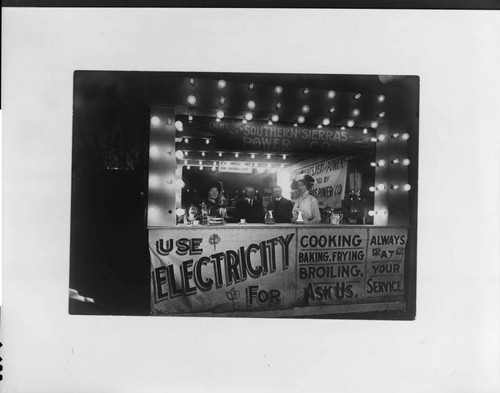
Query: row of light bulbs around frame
{"points": [[278, 90], [383, 187], [395, 161], [179, 154]]}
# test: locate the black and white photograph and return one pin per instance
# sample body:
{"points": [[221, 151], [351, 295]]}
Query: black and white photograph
{"points": [[250, 195], [200, 199]]}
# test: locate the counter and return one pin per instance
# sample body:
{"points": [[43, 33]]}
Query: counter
{"points": [[276, 270]]}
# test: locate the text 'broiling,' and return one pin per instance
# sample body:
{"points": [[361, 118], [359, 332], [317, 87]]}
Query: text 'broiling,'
{"points": [[218, 269]]}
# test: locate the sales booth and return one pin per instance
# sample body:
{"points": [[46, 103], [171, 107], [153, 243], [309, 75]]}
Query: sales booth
{"points": [[261, 132]]}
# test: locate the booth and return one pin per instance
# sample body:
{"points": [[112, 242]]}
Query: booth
{"points": [[241, 134]]}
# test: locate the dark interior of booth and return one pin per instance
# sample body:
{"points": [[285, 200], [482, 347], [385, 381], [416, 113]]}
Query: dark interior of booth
{"points": [[109, 255]]}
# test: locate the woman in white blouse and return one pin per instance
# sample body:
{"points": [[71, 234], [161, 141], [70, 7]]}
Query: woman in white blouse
{"points": [[305, 203]]}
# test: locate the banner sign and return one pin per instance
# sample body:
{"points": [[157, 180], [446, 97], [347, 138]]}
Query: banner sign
{"points": [[235, 167], [258, 135], [221, 269], [330, 177], [226, 269]]}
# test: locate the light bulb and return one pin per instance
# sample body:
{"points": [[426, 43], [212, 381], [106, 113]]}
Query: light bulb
{"points": [[395, 135], [179, 154], [371, 213], [251, 86], [252, 156], [332, 109], [306, 91], [320, 126], [251, 104], [301, 119], [268, 156], [342, 128], [295, 124], [220, 114], [190, 118], [248, 116], [395, 161], [381, 98], [186, 140], [220, 154], [372, 188], [155, 120], [355, 112], [154, 181], [217, 120], [407, 187], [374, 124], [278, 105], [200, 162], [405, 136], [350, 123], [373, 139], [207, 141], [236, 155], [373, 163], [188, 167], [326, 121], [269, 122], [394, 186], [222, 100], [203, 154], [185, 162], [381, 137], [244, 121], [381, 162], [405, 162], [221, 84], [275, 118], [191, 100], [186, 153], [365, 131], [278, 90], [154, 152], [201, 167], [381, 114], [306, 109], [357, 96], [191, 81], [213, 168], [380, 187], [284, 156], [331, 94]]}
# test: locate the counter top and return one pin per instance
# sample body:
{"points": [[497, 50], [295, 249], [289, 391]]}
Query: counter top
{"points": [[271, 226]]}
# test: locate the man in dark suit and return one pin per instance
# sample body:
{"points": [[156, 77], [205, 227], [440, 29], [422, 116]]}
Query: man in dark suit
{"points": [[281, 207], [250, 208]]}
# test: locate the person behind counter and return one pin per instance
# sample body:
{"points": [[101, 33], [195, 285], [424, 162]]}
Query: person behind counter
{"points": [[305, 203], [281, 207], [212, 198], [250, 208]]}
